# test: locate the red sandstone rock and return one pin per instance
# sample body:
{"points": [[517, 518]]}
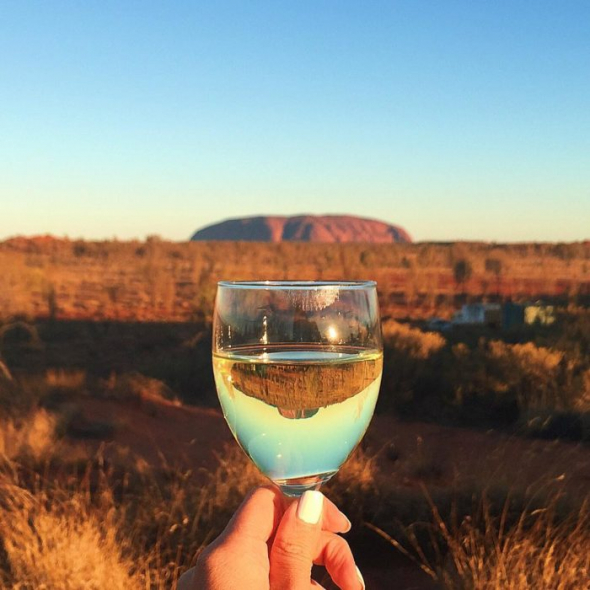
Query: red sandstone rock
{"points": [[304, 228]]}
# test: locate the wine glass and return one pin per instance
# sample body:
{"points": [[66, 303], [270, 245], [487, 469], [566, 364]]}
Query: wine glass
{"points": [[297, 368]]}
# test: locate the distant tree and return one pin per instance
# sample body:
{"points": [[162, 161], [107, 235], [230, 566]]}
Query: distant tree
{"points": [[51, 298], [462, 271], [367, 258], [494, 266], [79, 248]]}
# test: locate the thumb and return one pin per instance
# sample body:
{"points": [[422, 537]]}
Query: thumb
{"points": [[295, 543]]}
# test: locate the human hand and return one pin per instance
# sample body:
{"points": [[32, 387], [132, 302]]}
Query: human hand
{"points": [[268, 545]]}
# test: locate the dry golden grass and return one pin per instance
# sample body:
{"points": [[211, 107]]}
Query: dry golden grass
{"points": [[543, 549], [140, 528], [63, 544], [105, 528], [99, 529], [53, 538], [32, 435]]}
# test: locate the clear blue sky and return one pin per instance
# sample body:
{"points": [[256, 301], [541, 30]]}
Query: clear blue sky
{"points": [[455, 119]]}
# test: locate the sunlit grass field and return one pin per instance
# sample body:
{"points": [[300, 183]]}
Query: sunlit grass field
{"points": [[75, 519], [86, 505]]}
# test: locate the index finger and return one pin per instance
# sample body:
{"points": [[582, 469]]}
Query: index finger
{"points": [[334, 520]]}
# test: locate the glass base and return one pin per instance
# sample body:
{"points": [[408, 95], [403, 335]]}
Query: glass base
{"points": [[295, 487]]}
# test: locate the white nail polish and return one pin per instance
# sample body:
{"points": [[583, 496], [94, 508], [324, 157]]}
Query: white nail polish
{"points": [[310, 507], [360, 577]]}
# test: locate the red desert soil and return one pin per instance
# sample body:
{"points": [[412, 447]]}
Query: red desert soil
{"points": [[161, 432], [409, 453]]}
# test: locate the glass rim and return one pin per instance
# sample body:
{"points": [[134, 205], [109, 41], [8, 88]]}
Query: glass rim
{"points": [[298, 285]]}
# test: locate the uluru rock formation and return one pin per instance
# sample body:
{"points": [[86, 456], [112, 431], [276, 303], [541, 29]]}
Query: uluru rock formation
{"points": [[304, 228]]}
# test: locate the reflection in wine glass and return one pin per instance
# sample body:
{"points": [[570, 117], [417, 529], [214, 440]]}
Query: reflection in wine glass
{"points": [[297, 368]]}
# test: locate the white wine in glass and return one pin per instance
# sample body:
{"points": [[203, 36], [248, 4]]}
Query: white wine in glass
{"points": [[297, 368]]}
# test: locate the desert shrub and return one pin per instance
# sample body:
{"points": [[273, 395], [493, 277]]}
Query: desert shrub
{"points": [[135, 387], [538, 377], [411, 341], [20, 334], [503, 382], [411, 368], [533, 374], [479, 396], [571, 333], [31, 435]]}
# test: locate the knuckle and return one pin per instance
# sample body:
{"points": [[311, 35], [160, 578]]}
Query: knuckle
{"points": [[339, 552], [291, 550]]}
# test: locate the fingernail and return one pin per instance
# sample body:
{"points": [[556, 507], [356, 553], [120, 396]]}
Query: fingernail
{"points": [[360, 577], [310, 507]]}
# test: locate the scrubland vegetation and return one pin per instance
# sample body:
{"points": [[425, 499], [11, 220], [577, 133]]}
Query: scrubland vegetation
{"points": [[164, 281], [81, 507], [535, 378]]}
